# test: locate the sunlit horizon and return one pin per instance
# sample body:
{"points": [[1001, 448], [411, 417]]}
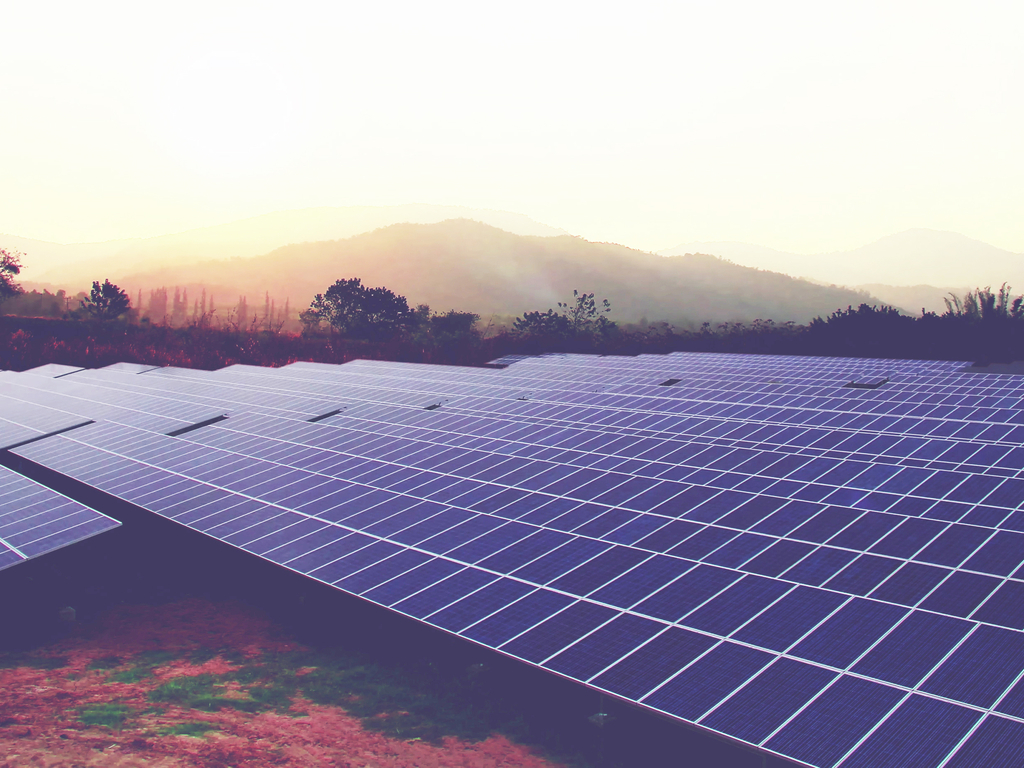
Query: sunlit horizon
{"points": [[802, 128]]}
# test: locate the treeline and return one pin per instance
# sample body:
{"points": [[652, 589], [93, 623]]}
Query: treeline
{"points": [[450, 338], [351, 320], [161, 307], [42, 304], [175, 310]]}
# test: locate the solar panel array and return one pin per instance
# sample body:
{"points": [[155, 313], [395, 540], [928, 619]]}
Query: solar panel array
{"points": [[819, 557], [35, 520]]}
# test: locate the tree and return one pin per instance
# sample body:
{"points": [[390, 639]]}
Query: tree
{"points": [[548, 323], [359, 312], [10, 265], [583, 314], [453, 323], [107, 301], [578, 318], [158, 305], [984, 305]]}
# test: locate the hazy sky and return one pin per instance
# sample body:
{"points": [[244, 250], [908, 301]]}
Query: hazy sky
{"points": [[803, 126]]}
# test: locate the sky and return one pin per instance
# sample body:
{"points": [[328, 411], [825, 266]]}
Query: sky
{"points": [[803, 126]]}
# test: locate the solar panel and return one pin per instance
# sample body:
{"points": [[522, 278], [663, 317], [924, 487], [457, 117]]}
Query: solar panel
{"points": [[829, 573], [35, 520]]}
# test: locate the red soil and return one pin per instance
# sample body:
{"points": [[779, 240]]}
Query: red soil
{"points": [[39, 708]]}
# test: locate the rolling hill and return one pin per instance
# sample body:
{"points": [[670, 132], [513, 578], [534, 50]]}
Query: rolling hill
{"points": [[54, 264], [468, 265], [924, 259]]}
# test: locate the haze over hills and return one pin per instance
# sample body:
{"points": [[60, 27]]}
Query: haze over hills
{"points": [[930, 261], [81, 263], [912, 270], [474, 267]]}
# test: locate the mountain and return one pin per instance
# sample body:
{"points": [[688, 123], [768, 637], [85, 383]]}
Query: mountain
{"points": [[914, 257], [470, 266], [80, 264]]}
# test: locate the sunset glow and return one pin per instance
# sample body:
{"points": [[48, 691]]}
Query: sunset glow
{"points": [[800, 126]]}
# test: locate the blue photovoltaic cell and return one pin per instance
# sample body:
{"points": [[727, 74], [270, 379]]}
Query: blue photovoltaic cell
{"points": [[819, 566], [865, 531], [790, 618], [917, 735], [560, 631], [835, 721], [908, 537], [1001, 555], [954, 545], [863, 574], [737, 605], [787, 518], [552, 565], [654, 662], [912, 648], [960, 594], [703, 543], [517, 617], [841, 639], [35, 520], [778, 558], [752, 512], [1003, 607], [754, 498], [524, 551], [479, 604], [604, 647], [707, 681], [642, 580], [981, 668], [687, 592], [599, 571], [669, 535], [443, 593], [367, 578], [996, 742], [634, 530], [826, 524], [909, 584], [401, 587], [767, 701]]}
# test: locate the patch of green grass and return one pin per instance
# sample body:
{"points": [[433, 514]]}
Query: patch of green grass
{"points": [[197, 729], [106, 715], [202, 692], [133, 675], [426, 705], [13, 660], [145, 664], [105, 662], [185, 690]]}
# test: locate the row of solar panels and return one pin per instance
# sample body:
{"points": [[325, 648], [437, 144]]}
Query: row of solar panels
{"points": [[719, 597]]}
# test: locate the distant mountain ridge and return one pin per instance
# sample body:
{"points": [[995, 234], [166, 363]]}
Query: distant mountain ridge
{"points": [[470, 266], [910, 258], [81, 263]]}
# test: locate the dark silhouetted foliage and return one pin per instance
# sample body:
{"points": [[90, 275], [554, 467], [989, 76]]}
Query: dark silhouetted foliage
{"points": [[579, 321], [10, 265], [359, 312], [106, 302], [982, 304], [452, 338], [36, 304]]}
